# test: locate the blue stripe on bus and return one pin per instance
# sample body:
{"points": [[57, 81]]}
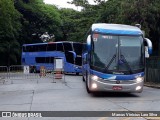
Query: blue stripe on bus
{"points": [[115, 76], [119, 32], [150, 50]]}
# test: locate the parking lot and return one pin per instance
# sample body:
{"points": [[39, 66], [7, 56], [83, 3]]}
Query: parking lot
{"points": [[48, 94]]}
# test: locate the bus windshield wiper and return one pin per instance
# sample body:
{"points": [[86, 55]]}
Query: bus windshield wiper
{"points": [[110, 62], [122, 56]]}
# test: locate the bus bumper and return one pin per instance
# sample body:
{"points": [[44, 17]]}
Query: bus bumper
{"points": [[117, 85]]}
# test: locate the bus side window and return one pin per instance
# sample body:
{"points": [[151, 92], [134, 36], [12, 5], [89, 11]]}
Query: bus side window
{"points": [[27, 48], [60, 47], [35, 48], [31, 48], [23, 60], [68, 46], [44, 59], [42, 47], [51, 47], [24, 49]]}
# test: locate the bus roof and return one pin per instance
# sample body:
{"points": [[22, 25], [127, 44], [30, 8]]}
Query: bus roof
{"points": [[50, 43], [38, 44], [117, 29]]}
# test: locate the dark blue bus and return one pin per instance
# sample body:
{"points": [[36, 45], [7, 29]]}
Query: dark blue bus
{"points": [[43, 54]]}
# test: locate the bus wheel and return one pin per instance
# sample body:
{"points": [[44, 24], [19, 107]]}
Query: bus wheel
{"points": [[83, 78], [87, 88], [77, 73]]}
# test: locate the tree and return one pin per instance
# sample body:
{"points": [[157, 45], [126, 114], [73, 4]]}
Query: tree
{"points": [[68, 23], [76, 24], [131, 12], [38, 18], [10, 28]]}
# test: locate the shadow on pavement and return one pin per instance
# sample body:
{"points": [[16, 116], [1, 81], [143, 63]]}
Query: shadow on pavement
{"points": [[113, 94]]}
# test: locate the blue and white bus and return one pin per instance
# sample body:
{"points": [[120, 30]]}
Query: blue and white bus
{"points": [[43, 54], [114, 58]]}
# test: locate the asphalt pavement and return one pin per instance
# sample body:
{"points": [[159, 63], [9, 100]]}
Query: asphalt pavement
{"points": [[69, 94]]}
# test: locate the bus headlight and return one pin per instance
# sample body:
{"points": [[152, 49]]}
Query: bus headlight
{"points": [[139, 79], [94, 85], [138, 87], [94, 77]]}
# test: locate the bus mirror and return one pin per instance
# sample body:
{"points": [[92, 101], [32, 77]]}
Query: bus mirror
{"points": [[89, 43], [146, 52], [148, 48], [85, 56], [74, 54]]}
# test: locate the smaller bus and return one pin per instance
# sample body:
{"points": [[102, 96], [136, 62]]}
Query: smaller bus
{"points": [[43, 54]]}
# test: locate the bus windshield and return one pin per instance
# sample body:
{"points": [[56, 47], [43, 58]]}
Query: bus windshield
{"points": [[117, 53], [78, 48]]}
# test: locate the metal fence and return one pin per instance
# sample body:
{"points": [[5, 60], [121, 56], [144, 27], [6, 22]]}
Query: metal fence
{"points": [[3, 74], [153, 69], [19, 72], [23, 72]]}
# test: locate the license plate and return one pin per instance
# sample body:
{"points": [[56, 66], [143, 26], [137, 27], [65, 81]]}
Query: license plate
{"points": [[117, 87]]}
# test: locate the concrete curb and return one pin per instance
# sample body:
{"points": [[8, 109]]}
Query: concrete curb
{"points": [[153, 85]]}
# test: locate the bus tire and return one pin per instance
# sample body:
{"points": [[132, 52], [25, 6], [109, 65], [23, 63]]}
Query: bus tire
{"points": [[77, 73], [83, 78], [87, 88]]}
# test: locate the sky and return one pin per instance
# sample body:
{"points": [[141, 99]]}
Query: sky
{"points": [[64, 4]]}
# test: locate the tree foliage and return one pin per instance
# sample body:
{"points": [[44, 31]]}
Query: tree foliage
{"points": [[38, 18], [10, 27], [24, 21], [131, 12]]}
